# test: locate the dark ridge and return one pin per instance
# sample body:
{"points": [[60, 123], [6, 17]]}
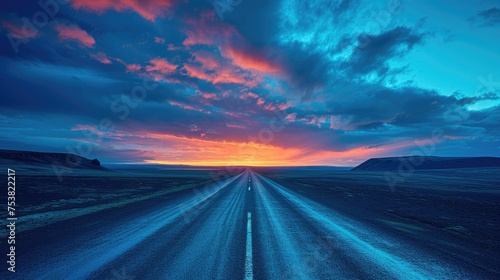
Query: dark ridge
{"points": [[59, 159], [425, 163]]}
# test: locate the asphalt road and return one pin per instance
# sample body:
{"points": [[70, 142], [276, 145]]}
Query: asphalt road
{"points": [[245, 227]]}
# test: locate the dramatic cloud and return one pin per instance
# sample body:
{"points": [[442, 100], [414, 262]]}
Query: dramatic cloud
{"points": [[373, 52], [74, 33], [248, 60], [148, 9], [274, 83], [223, 75]]}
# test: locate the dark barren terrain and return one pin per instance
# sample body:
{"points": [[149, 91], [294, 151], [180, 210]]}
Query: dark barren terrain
{"points": [[256, 223], [426, 163]]}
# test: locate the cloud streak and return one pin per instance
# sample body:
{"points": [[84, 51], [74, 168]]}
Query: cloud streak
{"points": [[148, 9], [74, 33]]}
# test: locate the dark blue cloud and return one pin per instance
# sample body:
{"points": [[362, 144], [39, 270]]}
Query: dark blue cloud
{"points": [[486, 18], [373, 52]]}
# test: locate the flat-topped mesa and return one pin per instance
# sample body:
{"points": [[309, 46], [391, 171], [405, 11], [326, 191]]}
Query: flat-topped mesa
{"points": [[42, 158], [426, 163]]}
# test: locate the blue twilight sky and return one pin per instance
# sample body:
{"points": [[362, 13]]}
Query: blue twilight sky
{"points": [[250, 82]]}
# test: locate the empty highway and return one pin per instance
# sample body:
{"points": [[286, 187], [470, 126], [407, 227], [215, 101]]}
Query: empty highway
{"points": [[244, 227]]}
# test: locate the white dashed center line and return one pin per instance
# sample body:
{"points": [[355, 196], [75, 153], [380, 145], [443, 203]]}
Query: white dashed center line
{"points": [[248, 260]]}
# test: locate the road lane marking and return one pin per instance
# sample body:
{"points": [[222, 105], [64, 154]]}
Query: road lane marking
{"points": [[248, 259], [248, 188]]}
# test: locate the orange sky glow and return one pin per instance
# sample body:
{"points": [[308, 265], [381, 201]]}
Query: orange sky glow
{"points": [[180, 150]]}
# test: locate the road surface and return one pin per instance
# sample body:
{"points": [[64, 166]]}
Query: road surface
{"points": [[244, 227]]}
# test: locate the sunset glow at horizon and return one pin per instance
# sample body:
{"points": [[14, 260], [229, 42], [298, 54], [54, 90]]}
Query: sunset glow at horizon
{"points": [[255, 83]]}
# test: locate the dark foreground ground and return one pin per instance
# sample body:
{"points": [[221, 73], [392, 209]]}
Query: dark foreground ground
{"points": [[453, 212], [257, 224]]}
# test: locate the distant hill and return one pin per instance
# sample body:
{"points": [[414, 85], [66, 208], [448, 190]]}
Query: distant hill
{"points": [[47, 159], [419, 163]]}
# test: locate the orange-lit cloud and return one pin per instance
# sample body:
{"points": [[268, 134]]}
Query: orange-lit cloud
{"points": [[232, 125], [231, 65], [218, 70], [159, 40], [101, 57], [148, 9], [248, 95], [74, 33], [222, 75], [17, 32], [186, 106], [208, 30], [291, 117], [133, 67], [161, 65], [208, 95], [249, 60], [92, 129], [272, 106], [197, 72], [203, 152], [206, 59]]}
